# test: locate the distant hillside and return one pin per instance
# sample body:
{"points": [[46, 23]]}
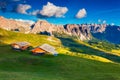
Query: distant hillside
{"points": [[8, 37], [111, 34]]}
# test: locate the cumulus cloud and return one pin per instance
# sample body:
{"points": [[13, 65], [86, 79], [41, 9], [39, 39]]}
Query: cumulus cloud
{"points": [[81, 13], [99, 20], [22, 8], [35, 12], [112, 24], [51, 10], [25, 21], [104, 21]]}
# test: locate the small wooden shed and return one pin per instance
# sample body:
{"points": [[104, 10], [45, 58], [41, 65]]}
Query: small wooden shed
{"points": [[20, 45], [44, 49], [38, 50]]}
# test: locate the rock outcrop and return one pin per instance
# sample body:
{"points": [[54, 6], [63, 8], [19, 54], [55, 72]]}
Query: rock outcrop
{"points": [[95, 28], [42, 26], [81, 32], [13, 25]]}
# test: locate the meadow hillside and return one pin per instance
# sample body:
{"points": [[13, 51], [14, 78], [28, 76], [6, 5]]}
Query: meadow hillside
{"points": [[76, 60]]}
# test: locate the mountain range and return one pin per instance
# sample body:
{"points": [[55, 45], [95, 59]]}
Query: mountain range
{"points": [[106, 32]]}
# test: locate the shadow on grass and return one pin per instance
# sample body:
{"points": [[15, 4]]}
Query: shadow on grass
{"points": [[80, 48]]}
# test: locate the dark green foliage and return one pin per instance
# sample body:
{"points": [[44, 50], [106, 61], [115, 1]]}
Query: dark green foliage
{"points": [[74, 46], [64, 35], [103, 44]]}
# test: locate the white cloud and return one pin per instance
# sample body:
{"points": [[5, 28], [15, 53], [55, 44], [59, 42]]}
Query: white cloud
{"points": [[99, 20], [35, 12], [104, 21], [112, 24], [22, 8], [50, 10], [81, 13], [25, 21]]}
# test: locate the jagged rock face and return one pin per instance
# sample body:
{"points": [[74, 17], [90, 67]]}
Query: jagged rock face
{"points": [[43, 26], [9, 24], [95, 28], [82, 32]]}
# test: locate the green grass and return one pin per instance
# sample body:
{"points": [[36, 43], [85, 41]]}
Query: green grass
{"points": [[77, 47], [9, 37], [105, 45], [24, 66], [72, 63]]}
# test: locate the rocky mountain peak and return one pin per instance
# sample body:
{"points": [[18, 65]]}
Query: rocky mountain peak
{"points": [[80, 31], [42, 26]]}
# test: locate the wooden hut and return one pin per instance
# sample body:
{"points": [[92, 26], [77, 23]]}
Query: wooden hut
{"points": [[44, 49], [20, 45], [38, 50]]}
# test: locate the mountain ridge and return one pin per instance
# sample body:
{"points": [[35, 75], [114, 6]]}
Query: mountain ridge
{"points": [[80, 31]]}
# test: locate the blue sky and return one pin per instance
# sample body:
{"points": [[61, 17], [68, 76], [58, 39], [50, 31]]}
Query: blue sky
{"points": [[63, 11]]}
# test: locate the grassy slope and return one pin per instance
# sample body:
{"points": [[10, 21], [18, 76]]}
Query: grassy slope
{"points": [[24, 66], [9, 37]]}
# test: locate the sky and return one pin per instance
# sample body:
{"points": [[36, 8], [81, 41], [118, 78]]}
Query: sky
{"points": [[63, 11]]}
